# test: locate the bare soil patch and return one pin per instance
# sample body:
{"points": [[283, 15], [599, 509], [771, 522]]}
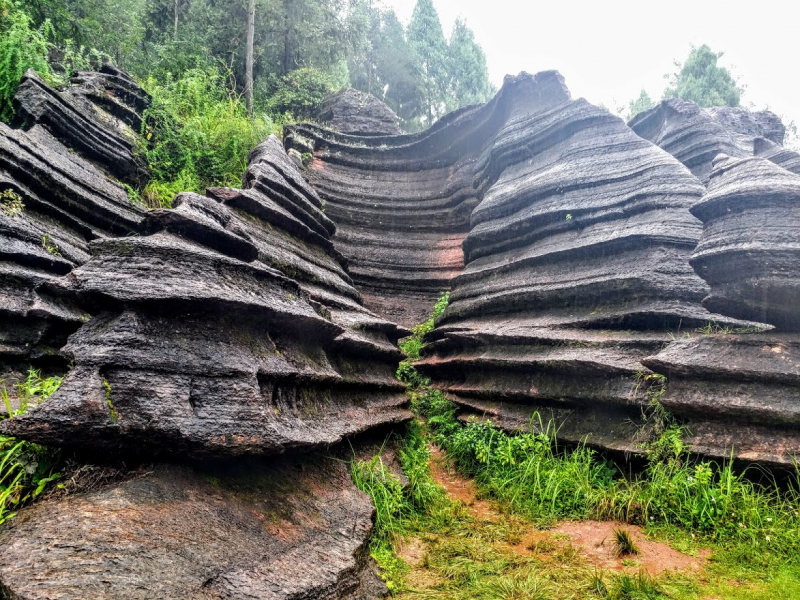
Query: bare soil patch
{"points": [[589, 541]]}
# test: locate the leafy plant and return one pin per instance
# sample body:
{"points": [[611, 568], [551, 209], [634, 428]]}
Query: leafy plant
{"points": [[197, 134], [413, 344], [26, 469], [22, 46], [11, 203]]}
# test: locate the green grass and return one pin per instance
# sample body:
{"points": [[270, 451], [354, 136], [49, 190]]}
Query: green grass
{"points": [[413, 344], [197, 134], [26, 469], [748, 519]]}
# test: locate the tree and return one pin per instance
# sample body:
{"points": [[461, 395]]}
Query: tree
{"points": [[702, 81], [469, 82], [429, 50], [641, 104], [248, 70]]}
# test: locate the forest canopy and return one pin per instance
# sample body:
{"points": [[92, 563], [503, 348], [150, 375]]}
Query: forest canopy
{"points": [[302, 49]]}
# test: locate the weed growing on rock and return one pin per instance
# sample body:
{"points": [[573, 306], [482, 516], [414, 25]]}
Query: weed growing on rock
{"points": [[11, 203], [413, 344]]}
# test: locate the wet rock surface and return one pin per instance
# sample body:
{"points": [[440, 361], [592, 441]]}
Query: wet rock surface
{"points": [[356, 112], [223, 331], [290, 529], [749, 251], [56, 199], [695, 135]]}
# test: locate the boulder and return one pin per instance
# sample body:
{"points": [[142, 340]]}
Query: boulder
{"points": [[358, 113], [283, 530]]}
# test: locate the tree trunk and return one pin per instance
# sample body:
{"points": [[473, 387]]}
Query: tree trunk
{"points": [[175, 28], [248, 76]]}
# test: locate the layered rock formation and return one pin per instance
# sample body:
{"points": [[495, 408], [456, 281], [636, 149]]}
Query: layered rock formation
{"points": [[58, 195], [576, 236], [359, 113], [695, 136], [230, 329], [739, 388], [225, 326]]}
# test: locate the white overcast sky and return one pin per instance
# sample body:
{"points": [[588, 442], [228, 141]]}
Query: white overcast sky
{"points": [[608, 50]]}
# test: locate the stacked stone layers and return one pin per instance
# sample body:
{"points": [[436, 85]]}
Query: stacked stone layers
{"points": [[743, 391], [401, 204], [695, 136], [750, 251], [58, 196], [576, 235], [577, 269], [203, 344]]}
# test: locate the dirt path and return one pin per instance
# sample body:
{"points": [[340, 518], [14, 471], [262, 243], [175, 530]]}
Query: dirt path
{"points": [[591, 542]]}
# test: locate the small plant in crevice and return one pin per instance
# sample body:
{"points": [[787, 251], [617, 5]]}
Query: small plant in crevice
{"points": [[624, 543], [413, 344], [11, 203], [50, 246], [112, 411]]}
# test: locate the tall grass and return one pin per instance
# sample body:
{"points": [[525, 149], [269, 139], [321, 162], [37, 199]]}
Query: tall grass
{"points": [[197, 133], [26, 469], [529, 473]]}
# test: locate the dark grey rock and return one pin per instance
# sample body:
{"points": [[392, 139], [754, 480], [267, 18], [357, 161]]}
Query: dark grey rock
{"points": [[284, 530], [91, 118], [749, 252], [354, 112], [695, 136]]}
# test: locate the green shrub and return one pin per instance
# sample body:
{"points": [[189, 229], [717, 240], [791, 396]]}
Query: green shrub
{"points": [[22, 47], [300, 92], [197, 134], [25, 468]]}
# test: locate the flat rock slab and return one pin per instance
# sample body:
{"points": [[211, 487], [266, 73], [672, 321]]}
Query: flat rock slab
{"points": [[292, 529]]}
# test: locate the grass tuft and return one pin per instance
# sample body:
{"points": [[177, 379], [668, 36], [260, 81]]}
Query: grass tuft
{"points": [[623, 541]]}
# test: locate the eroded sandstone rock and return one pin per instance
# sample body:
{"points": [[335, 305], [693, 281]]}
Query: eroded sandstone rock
{"points": [[695, 135], [359, 113], [56, 200], [739, 390], [749, 251], [286, 530], [230, 329], [576, 236], [99, 116]]}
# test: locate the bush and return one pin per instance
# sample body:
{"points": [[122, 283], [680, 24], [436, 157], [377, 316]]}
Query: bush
{"points": [[197, 134], [22, 47], [25, 468], [300, 92]]}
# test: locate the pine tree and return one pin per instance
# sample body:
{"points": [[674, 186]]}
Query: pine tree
{"points": [[469, 82], [429, 50], [700, 80]]}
